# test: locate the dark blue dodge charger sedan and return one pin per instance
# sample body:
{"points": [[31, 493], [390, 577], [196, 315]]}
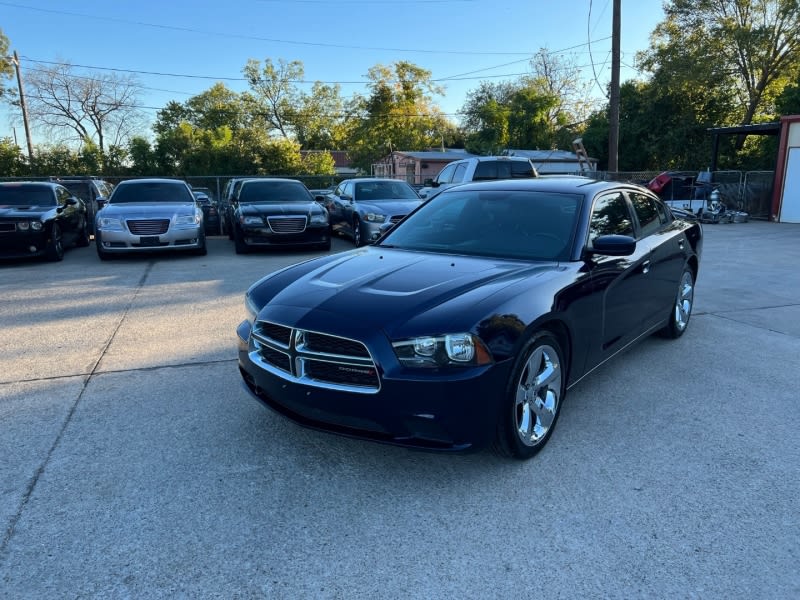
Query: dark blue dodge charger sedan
{"points": [[465, 324]]}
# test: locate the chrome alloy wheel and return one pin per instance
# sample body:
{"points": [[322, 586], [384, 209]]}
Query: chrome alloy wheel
{"points": [[684, 301], [538, 395]]}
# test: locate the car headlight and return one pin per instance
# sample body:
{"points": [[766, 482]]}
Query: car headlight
{"points": [[457, 349], [374, 218], [187, 219], [29, 225], [250, 307], [319, 219], [251, 220], [109, 224]]}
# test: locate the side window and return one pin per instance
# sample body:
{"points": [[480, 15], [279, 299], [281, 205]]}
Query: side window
{"points": [[486, 169], [446, 174], [461, 169], [610, 215], [339, 190], [347, 190], [647, 213], [521, 169]]}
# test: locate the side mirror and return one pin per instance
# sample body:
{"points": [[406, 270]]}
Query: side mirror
{"points": [[101, 201], [428, 182], [72, 201], [613, 245]]}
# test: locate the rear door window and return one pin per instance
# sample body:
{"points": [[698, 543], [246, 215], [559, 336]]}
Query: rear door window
{"points": [[446, 174], [461, 170]]}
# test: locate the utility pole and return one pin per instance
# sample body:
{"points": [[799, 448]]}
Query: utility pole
{"points": [[613, 104], [15, 60]]}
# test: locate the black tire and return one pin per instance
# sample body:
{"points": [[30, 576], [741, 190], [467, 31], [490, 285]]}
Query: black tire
{"points": [[98, 244], [83, 236], [326, 246], [357, 238], [530, 408], [681, 310], [229, 229], [239, 243], [202, 250], [54, 251]]}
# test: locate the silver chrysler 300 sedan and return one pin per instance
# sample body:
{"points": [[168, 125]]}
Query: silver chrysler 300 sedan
{"points": [[145, 215]]}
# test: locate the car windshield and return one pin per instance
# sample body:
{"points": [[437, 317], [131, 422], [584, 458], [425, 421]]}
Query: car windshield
{"points": [[26, 195], [501, 224], [146, 191], [384, 190], [255, 192]]}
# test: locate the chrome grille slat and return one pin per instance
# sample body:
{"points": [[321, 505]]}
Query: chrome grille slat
{"points": [[148, 226], [314, 358], [287, 224]]}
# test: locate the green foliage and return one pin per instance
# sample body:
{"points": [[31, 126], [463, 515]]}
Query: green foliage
{"points": [[12, 161], [398, 114], [749, 49], [540, 111], [6, 67], [788, 102], [318, 163]]}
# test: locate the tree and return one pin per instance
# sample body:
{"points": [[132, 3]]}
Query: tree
{"points": [[6, 67], [274, 93], [319, 119], [398, 114], [12, 162], [750, 47], [101, 108], [542, 110]]}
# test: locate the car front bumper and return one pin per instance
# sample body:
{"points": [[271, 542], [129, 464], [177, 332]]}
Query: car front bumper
{"points": [[23, 243], [176, 238], [264, 236], [446, 410]]}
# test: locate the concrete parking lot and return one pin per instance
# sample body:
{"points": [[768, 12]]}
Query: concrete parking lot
{"points": [[134, 464]]}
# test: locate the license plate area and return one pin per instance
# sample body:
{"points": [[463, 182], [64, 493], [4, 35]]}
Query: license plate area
{"points": [[149, 240]]}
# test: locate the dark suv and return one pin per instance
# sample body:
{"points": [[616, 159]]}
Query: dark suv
{"points": [[92, 190]]}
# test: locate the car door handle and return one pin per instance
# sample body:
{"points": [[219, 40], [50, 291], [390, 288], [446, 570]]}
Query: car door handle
{"points": [[646, 267]]}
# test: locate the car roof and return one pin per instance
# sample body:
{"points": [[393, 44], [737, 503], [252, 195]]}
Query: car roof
{"points": [[370, 179], [49, 184], [561, 184], [152, 180], [270, 179]]}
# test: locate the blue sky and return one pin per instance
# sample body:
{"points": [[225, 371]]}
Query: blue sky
{"points": [[179, 48]]}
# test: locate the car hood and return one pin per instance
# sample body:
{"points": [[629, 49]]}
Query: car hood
{"points": [[272, 209], [25, 212], [393, 290], [147, 210], [389, 207]]}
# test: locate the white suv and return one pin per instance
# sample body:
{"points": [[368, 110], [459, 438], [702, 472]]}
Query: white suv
{"points": [[479, 168]]}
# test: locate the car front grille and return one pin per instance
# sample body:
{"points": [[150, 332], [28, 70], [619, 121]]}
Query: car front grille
{"points": [[8, 227], [395, 219], [314, 358], [287, 224], [148, 226]]}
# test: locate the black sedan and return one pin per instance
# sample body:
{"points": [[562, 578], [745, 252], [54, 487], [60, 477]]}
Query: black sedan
{"points": [[360, 207], [211, 220], [277, 212], [466, 324], [40, 218]]}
